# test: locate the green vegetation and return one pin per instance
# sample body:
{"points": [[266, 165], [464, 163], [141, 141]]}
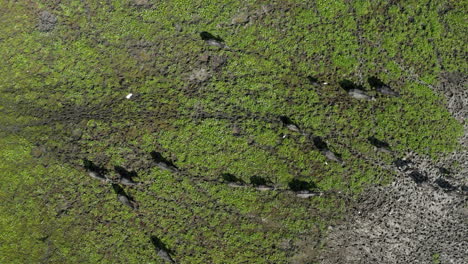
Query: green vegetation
{"points": [[63, 100]]}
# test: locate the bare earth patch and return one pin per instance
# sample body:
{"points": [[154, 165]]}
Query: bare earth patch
{"points": [[422, 217]]}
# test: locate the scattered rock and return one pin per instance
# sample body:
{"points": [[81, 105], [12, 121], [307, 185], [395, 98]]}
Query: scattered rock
{"points": [[38, 151], [453, 86], [77, 133], [286, 244], [444, 171], [403, 222], [178, 28], [200, 75], [264, 9], [47, 21], [142, 3], [204, 57], [217, 62], [236, 131], [240, 18], [464, 188]]}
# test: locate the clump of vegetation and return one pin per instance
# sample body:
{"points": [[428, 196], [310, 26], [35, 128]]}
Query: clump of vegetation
{"points": [[68, 65]]}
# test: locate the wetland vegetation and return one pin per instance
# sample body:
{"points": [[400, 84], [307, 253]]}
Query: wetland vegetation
{"points": [[250, 92]]}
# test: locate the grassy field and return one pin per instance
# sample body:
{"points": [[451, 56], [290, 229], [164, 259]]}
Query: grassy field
{"points": [[66, 67]]}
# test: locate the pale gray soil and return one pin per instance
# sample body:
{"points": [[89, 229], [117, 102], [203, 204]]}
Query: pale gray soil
{"points": [[422, 217]]}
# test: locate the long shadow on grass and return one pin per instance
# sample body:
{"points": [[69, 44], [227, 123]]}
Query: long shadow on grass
{"points": [[258, 181], [378, 143], [124, 173], [319, 143], [228, 177], [90, 166], [375, 82], [158, 158], [348, 85], [298, 185], [161, 249], [208, 36]]}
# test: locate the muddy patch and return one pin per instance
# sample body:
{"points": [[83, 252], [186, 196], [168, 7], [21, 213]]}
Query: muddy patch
{"points": [[453, 86], [422, 214], [47, 21]]}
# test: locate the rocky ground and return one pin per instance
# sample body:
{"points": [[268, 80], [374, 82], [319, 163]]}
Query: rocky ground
{"points": [[422, 216]]}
